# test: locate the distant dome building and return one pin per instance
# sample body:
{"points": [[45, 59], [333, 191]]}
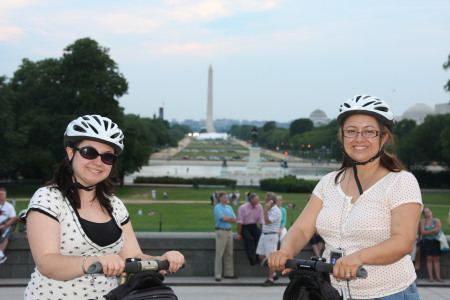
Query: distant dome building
{"points": [[319, 118], [418, 113], [442, 109]]}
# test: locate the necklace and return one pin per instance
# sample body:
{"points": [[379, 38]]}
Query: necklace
{"points": [[370, 179]]}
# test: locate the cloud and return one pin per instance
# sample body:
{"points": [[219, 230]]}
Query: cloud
{"points": [[208, 10], [195, 48], [128, 23], [10, 33], [8, 5]]}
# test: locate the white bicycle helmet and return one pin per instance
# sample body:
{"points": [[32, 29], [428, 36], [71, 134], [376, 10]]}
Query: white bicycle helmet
{"points": [[96, 128], [367, 105]]}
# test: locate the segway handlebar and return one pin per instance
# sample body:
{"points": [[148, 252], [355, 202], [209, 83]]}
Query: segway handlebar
{"points": [[135, 266], [313, 265]]}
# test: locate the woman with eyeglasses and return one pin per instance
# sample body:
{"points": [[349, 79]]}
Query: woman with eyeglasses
{"points": [[367, 211], [76, 220]]}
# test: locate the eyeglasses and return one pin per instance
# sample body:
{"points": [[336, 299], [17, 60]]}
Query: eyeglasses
{"points": [[352, 133], [91, 153]]}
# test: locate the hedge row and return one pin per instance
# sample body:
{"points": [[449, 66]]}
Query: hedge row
{"points": [[288, 184], [196, 181], [432, 180]]}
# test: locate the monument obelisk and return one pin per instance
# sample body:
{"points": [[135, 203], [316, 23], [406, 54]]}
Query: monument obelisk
{"points": [[209, 108]]}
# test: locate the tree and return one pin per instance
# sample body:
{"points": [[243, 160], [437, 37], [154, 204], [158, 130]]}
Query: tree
{"points": [[300, 125], [268, 126], [46, 95], [178, 131], [92, 82], [138, 143], [404, 127], [241, 131], [10, 139], [35, 95], [424, 144]]}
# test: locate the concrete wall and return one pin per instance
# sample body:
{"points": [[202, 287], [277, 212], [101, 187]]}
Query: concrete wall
{"points": [[198, 248]]}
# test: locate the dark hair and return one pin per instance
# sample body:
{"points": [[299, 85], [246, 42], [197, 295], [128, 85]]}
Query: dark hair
{"points": [[387, 160], [220, 194], [62, 180], [251, 196]]}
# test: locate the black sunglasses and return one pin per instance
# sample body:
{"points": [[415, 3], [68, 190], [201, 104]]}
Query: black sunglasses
{"points": [[91, 153]]}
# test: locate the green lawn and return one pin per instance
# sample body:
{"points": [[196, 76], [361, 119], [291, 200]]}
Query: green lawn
{"points": [[198, 217], [220, 149]]}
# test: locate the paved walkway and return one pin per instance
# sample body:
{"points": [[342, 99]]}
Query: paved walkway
{"points": [[245, 288]]}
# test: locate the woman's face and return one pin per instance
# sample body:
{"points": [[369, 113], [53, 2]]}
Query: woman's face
{"points": [[427, 213], [362, 148], [90, 172]]}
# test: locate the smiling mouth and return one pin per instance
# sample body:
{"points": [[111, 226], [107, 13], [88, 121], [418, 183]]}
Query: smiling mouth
{"points": [[94, 171]]}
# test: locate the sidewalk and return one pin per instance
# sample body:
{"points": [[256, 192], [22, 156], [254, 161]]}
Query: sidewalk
{"points": [[244, 288]]}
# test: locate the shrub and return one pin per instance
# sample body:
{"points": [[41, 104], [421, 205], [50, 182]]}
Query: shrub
{"points": [[196, 181], [288, 184]]}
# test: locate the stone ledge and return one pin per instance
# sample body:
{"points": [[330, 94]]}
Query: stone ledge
{"points": [[198, 248]]}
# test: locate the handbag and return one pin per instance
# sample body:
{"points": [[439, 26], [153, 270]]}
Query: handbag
{"points": [[417, 255], [443, 241]]}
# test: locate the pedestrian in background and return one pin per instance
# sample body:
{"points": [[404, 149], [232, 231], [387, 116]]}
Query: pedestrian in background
{"points": [[224, 218], [269, 238], [283, 229], [7, 221], [431, 248], [250, 214]]}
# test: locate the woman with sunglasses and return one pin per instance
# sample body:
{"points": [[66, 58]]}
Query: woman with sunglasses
{"points": [[76, 220], [367, 211]]}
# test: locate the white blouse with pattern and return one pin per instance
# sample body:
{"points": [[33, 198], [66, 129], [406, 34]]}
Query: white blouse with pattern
{"points": [[73, 241], [367, 223]]}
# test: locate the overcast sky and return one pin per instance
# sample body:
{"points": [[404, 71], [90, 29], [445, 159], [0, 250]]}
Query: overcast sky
{"points": [[272, 59]]}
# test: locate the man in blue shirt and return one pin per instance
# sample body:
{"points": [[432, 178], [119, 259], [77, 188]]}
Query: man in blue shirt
{"points": [[224, 216]]}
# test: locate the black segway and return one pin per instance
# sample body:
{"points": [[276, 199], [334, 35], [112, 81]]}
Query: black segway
{"points": [[310, 279], [142, 282]]}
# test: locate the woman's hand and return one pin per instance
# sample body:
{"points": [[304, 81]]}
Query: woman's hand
{"points": [[277, 261], [347, 266], [112, 264], [175, 258]]}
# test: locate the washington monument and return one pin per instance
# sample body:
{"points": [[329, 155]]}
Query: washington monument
{"points": [[209, 108]]}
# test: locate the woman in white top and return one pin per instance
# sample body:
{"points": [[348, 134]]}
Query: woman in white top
{"points": [[369, 209], [76, 220]]}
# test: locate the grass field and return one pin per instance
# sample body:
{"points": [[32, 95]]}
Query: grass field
{"points": [[198, 217], [216, 150]]}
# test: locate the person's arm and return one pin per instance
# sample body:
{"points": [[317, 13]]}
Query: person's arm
{"points": [[404, 220], [43, 237], [9, 222], [229, 219], [131, 248], [297, 236], [434, 231], [267, 207], [239, 231]]}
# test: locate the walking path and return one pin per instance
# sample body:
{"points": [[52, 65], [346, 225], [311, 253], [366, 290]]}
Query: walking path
{"points": [[169, 152], [205, 288]]}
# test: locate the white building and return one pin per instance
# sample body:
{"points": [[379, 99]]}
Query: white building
{"points": [[319, 118], [419, 112]]}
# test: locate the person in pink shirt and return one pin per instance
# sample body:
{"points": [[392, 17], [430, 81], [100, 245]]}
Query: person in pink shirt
{"points": [[250, 215]]}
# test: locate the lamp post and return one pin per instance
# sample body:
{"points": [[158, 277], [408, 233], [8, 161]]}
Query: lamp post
{"points": [[254, 135]]}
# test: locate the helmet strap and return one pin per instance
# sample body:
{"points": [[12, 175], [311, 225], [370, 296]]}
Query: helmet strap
{"points": [[79, 186], [355, 163], [76, 184]]}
